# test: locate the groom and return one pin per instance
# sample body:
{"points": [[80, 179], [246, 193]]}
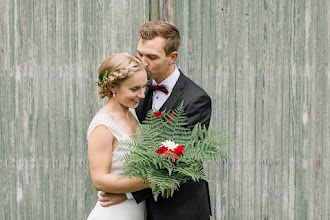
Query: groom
{"points": [[168, 87]]}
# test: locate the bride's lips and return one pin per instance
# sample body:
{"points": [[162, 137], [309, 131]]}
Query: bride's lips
{"points": [[136, 101]]}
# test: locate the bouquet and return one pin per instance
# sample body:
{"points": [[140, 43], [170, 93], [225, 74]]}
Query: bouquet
{"points": [[167, 154]]}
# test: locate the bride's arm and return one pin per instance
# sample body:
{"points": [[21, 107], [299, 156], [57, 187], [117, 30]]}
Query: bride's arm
{"points": [[100, 146]]}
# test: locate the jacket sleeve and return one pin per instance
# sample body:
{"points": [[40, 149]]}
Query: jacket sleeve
{"points": [[199, 111], [142, 195]]}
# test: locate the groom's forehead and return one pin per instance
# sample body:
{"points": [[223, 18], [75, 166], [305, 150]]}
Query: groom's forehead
{"points": [[150, 47]]}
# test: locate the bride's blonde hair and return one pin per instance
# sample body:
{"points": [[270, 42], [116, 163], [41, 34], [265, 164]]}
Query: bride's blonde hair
{"points": [[116, 69]]}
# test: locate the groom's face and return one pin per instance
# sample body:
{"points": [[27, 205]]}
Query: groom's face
{"points": [[152, 54]]}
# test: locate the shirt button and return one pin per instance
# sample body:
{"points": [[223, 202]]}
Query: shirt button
{"points": [[156, 97]]}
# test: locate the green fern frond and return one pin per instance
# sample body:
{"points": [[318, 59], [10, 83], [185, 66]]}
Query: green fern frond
{"points": [[163, 175]]}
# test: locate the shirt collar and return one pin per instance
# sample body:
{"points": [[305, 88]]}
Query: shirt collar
{"points": [[170, 81]]}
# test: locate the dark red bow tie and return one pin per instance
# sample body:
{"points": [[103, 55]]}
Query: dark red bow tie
{"points": [[160, 88]]}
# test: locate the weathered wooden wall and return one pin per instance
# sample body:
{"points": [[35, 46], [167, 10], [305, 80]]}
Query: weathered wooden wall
{"points": [[50, 53], [264, 64]]}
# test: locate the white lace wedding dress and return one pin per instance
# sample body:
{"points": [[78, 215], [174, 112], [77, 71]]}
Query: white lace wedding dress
{"points": [[128, 209]]}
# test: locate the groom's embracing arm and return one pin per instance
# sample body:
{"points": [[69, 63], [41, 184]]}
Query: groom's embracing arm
{"points": [[199, 110], [142, 195]]}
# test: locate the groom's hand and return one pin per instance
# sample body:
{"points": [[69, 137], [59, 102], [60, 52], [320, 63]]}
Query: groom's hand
{"points": [[108, 199]]}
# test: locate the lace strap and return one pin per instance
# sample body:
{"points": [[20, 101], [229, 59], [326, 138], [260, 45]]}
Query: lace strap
{"points": [[105, 120]]}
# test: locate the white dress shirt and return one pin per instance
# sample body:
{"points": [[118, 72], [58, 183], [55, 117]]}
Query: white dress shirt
{"points": [[159, 97]]}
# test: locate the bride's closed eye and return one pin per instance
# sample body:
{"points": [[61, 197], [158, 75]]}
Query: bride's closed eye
{"points": [[135, 89]]}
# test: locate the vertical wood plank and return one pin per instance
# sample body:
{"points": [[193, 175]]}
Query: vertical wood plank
{"points": [[154, 12], [166, 10]]}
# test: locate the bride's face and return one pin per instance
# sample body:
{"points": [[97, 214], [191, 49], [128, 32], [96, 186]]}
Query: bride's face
{"points": [[132, 89]]}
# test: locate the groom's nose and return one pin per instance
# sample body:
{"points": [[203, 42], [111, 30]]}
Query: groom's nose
{"points": [[144, 61]]}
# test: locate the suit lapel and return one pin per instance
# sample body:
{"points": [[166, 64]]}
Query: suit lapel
{"points": [[148, 98], [175, 94], [145, 104]]}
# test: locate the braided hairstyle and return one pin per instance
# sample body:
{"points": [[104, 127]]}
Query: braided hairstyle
{"points": [[119, 67]]}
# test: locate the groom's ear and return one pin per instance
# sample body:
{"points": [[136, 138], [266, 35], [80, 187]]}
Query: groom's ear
{"points": [[173, 57]]}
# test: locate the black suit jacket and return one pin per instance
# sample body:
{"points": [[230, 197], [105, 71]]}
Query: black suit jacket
{"points": [[192, 200]]}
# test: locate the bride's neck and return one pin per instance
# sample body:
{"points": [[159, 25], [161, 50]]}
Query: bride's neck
{"points": [[115, 107]]}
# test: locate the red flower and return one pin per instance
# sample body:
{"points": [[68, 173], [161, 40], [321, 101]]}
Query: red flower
{"points": [[169, 153], [179, 150], [157, 115], [162, 150], [170, 117]]}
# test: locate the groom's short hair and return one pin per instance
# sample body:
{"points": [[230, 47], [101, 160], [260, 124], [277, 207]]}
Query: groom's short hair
{"points": [[165, 29]]}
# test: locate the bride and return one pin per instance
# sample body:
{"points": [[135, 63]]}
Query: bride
{"points": [[122, 78]]}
